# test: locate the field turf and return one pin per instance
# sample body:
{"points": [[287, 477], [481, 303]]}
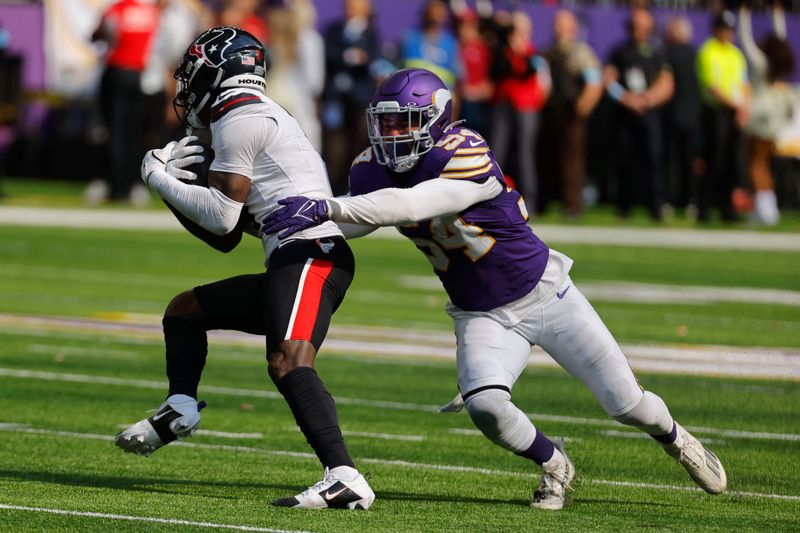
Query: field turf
{"points": [[65, 391]]}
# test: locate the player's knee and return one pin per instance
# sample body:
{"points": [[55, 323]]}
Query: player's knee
{"points": [[289, 355], [184, 305], [488, 410]]}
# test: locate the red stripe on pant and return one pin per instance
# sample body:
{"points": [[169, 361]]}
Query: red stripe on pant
{"points": [[304, 316]]}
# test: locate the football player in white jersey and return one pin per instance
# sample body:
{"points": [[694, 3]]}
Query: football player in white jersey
{"points": [[261, 156], [439, 184]]}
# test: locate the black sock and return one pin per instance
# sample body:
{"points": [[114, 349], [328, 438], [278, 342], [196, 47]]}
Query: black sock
{"points": [[187, 347], [315, 412]]}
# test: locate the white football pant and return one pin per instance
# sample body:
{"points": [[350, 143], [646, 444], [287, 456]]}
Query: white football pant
{"points": [[568, 329]]}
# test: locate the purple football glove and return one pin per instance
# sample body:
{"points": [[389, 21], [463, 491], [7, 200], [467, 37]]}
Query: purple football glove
{"points": [[298, 213]]}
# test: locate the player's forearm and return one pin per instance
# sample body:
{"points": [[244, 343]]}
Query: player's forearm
{"points": [[223, 243], [429, 199], [207, 207], [354, 231]]}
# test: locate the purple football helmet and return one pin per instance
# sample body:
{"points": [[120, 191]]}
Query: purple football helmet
{"points": [[408, 114]]}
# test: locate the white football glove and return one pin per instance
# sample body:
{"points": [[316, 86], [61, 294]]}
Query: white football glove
{"points": [[455, 405], [156, 160], [172, 159], [183, 156]]}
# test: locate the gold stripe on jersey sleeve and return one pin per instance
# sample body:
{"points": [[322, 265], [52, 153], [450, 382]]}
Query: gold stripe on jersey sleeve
{"points": [[464, 163], [467, 174], [472, 151]]}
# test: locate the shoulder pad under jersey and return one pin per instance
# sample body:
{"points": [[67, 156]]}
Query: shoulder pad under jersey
{"points": [[464, 153], [366, 174]]}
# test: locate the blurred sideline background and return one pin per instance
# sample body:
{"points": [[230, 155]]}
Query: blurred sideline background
{"points": [[55, 135]]}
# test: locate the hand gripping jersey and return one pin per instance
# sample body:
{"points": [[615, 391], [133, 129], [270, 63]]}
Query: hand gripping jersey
{"points": [[485, 256], [255, 137]]}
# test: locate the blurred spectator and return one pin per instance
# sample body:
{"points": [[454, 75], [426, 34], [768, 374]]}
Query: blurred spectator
{"points": [[352, 54], [129, 28], [722, 72], [577, 87], [433, 46], [772, 105], [522, 86], [245, 14], [476, 86], [10, 97], [181, 22], [682, 113], [297, 75], [639, 80]]}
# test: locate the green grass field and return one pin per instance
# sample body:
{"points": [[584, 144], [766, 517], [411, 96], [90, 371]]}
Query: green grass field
{"points": [[65, 390]]}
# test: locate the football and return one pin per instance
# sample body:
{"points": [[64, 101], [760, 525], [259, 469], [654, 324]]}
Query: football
{"points": [[201, 169]]}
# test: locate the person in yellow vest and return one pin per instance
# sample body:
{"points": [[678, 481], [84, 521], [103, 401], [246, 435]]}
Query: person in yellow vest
{"points": [[722, 74]]}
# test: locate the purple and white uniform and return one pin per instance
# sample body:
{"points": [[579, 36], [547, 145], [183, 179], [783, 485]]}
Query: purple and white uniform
{"points": [[508, 290], [486, 255]]}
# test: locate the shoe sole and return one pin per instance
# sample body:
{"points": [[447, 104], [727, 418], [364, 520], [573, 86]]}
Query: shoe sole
{"points": [[135, 442], [130, 444], [554, 506]]}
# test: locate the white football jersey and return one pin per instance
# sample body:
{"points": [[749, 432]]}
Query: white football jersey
{"points": [[255, 137]]}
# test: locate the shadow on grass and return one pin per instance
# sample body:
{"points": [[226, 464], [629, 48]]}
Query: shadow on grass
{"points": [[455, 498], [144, 484]]}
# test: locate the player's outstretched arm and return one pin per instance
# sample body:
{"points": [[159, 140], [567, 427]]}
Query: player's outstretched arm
{"points": [[429, 199], [385, 207]]}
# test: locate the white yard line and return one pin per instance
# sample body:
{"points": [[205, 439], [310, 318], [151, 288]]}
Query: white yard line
{"points": [[644, 436], [151, 519], [405, 464], [210, 433], [385, 436], [617, 291], [644, 237], [381, 436], [725, 361], [380, 404]]}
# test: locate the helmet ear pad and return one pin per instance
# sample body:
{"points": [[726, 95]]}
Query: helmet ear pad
{"points": [[443, 105]]}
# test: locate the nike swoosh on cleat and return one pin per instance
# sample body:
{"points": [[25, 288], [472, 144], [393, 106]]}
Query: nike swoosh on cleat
{"points": [[562, 293], [162, 414], [330, 496]]}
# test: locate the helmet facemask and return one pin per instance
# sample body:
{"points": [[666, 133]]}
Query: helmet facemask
{"points": [[401, 135], [196, 84]]}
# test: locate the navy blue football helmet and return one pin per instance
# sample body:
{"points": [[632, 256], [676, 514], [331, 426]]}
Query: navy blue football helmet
{"points": [[219, 59]]}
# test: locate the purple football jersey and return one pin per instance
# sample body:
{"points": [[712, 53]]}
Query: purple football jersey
{"points": [[485, 256]]}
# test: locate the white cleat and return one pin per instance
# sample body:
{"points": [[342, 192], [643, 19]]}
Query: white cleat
{"points": [[341, 488], [701, 463], [556, 477], [178, 417]]}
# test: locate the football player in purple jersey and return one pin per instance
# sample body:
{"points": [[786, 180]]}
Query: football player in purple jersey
{"points": [[438, 182]]}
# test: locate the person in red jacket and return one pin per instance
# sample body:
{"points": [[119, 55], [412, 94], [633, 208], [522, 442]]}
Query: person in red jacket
{"points": [[522, 87], [476, 85], [128, 27]]}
